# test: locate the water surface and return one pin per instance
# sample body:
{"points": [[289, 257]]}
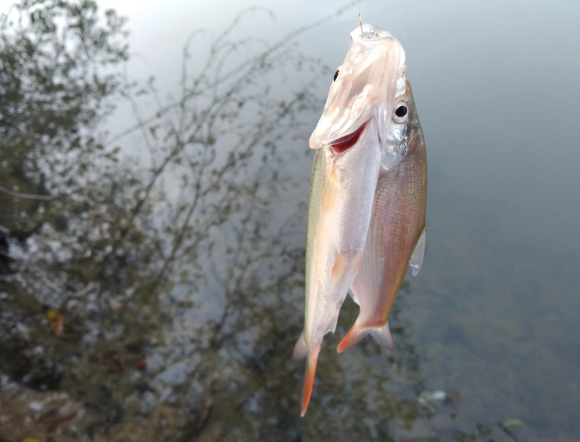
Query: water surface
{"points": [[179, 290]]}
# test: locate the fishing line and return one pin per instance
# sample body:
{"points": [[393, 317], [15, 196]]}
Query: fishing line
{"points": [[404, 20], [360, 21]]}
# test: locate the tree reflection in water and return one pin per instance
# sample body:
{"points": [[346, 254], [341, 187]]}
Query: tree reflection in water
{"points": [[162, 292]]}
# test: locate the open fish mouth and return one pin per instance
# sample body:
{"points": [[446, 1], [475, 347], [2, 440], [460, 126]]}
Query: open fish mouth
{"points": [[346, 142]]}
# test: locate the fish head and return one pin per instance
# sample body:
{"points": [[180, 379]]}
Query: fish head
{"points": [[363, 90], [404, 128]]}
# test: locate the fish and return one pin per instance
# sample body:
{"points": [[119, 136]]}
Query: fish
{"points": [[348, 141], [397, 233]]}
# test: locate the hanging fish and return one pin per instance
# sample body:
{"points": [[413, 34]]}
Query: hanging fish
{"points": [[397, 233], [349, 140]]}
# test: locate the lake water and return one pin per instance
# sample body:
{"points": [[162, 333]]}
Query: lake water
{"points": [[181, 306]]}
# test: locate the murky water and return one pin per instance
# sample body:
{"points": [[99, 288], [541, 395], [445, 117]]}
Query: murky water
{"points": [[159, 294]]}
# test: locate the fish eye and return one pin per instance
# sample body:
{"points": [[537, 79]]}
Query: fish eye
{"points": [[401, 112], [336, 74]]}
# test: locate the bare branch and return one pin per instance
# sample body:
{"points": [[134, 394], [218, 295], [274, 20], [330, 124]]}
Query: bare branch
{"points": [[27, 196]]}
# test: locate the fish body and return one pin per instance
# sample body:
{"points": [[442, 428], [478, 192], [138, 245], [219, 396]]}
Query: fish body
{"points": [[397, 231], [349, 140]]}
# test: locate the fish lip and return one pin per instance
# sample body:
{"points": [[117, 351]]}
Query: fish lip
{"points": [[345, 142]]}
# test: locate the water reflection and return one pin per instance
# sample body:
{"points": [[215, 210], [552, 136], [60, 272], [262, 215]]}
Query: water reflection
{"points": [[158, 296]]}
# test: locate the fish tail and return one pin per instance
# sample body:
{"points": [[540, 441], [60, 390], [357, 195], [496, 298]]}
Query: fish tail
{"points": [[355, 334], [308, 382], [381, 334]]}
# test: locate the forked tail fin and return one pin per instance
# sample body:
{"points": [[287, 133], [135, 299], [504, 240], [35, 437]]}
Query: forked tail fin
{"points": [[308, 382], [381, 334], [353, 336]]}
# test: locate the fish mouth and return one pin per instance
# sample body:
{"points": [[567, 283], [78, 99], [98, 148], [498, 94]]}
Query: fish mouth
{"points": [[346, 142], [370, 33]]}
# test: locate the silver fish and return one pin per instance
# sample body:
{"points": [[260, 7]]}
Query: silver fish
{"points": [[349, 140], [397, 233]]}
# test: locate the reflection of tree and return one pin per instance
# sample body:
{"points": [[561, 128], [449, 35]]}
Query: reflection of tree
{"points": [[221, 142], [54, 87], [111, 235], [124, 248]]}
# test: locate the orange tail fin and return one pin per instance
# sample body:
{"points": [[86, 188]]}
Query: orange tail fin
{"points": [[308, 382]]}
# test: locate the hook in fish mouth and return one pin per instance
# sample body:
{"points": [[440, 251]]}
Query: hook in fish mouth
{"points": [[346, 142]]}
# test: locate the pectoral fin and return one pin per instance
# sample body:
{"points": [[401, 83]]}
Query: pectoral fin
{"points": [[418, 253]]}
